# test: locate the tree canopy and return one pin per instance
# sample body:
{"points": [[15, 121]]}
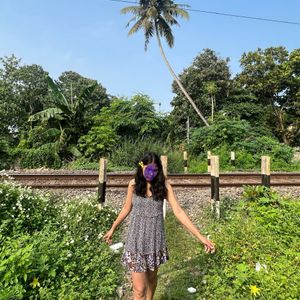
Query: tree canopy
{"points": [[273, 76]]}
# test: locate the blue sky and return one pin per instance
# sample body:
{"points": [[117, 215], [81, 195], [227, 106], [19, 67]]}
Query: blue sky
{"points": [[89, 37]]}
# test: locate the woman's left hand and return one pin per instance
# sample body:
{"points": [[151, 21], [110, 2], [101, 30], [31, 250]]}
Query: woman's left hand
{"points": [[209, 247]]}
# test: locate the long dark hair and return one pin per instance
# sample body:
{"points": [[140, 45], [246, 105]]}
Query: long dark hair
{"points": [[158, 187]]}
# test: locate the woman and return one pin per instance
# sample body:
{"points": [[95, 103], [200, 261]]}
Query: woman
{"points": [[145, 246]]}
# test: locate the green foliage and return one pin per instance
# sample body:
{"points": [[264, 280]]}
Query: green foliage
{"points": [[263, 228], [243, 161], [44, 156], [244, 105], [99, 141], [272, 75], [207, 77], [129, 153], [132, 119], [257, 242], [246, 161], [224, 132], [264, 145], [73, 84], [38, 136], [81, 164], [53, 249], [237, 135], [22, 210], [14, 264], [197, 164], [175, 161], [5, 157], [23, 89]]}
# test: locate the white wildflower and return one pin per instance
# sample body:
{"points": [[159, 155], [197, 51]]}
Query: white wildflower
{"points": [[259, 266], [191, 290]]}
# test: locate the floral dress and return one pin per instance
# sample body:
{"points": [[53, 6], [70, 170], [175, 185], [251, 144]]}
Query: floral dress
{"points": [[145, 244]]}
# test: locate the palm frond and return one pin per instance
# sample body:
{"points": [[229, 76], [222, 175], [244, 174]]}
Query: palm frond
{"points": [[84, 97], [149, 30], [60, 99], [165, 30], [170, 19], [45, 115], [74, 150], [63, 138], [136, 10], [145, 3], [137, 26], [152, 13], [176, 11], [52, 132], [131, 20], [87, 92]]}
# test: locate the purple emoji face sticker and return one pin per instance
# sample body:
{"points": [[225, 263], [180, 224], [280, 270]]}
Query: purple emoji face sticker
{"points": [[150, 172]]}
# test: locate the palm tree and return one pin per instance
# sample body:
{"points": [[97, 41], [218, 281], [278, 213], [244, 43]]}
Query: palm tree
{"points": [[157, 17], [211, 89]]}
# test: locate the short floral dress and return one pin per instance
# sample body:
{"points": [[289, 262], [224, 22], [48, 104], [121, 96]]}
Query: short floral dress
{"points": [[145, 245]]}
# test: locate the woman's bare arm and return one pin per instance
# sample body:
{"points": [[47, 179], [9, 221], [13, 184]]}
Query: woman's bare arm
{"points": [[184, 219], [127, 206]]}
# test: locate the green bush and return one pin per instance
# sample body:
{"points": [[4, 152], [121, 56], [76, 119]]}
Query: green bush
{"points": [[257, 241], [197, 164], [54, 249], [23, 210], [5, 157], [225, 136], [224, 132], [175, 161], [14, 264], [266, 146], [44, 156], [130, 152], [82, 163], [100, 140]]}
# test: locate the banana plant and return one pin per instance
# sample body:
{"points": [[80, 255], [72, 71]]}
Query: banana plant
{"points": [[64, 114]]}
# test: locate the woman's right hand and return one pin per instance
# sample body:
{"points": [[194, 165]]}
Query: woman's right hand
{"points": [[108, 236], [209, 246]]}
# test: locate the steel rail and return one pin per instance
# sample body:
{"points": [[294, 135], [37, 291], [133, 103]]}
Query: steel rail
{"points": [[89, 180]]}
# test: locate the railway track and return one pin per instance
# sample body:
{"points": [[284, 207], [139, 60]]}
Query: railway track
{"points": [[87, 180]]}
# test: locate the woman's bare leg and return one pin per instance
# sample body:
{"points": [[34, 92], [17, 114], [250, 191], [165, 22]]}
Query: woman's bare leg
{"points": [[139, 281], [152, 283]]}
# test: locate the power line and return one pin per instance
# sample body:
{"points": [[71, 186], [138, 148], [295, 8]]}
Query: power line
{"points": [[244, 17], [225, 14]]}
